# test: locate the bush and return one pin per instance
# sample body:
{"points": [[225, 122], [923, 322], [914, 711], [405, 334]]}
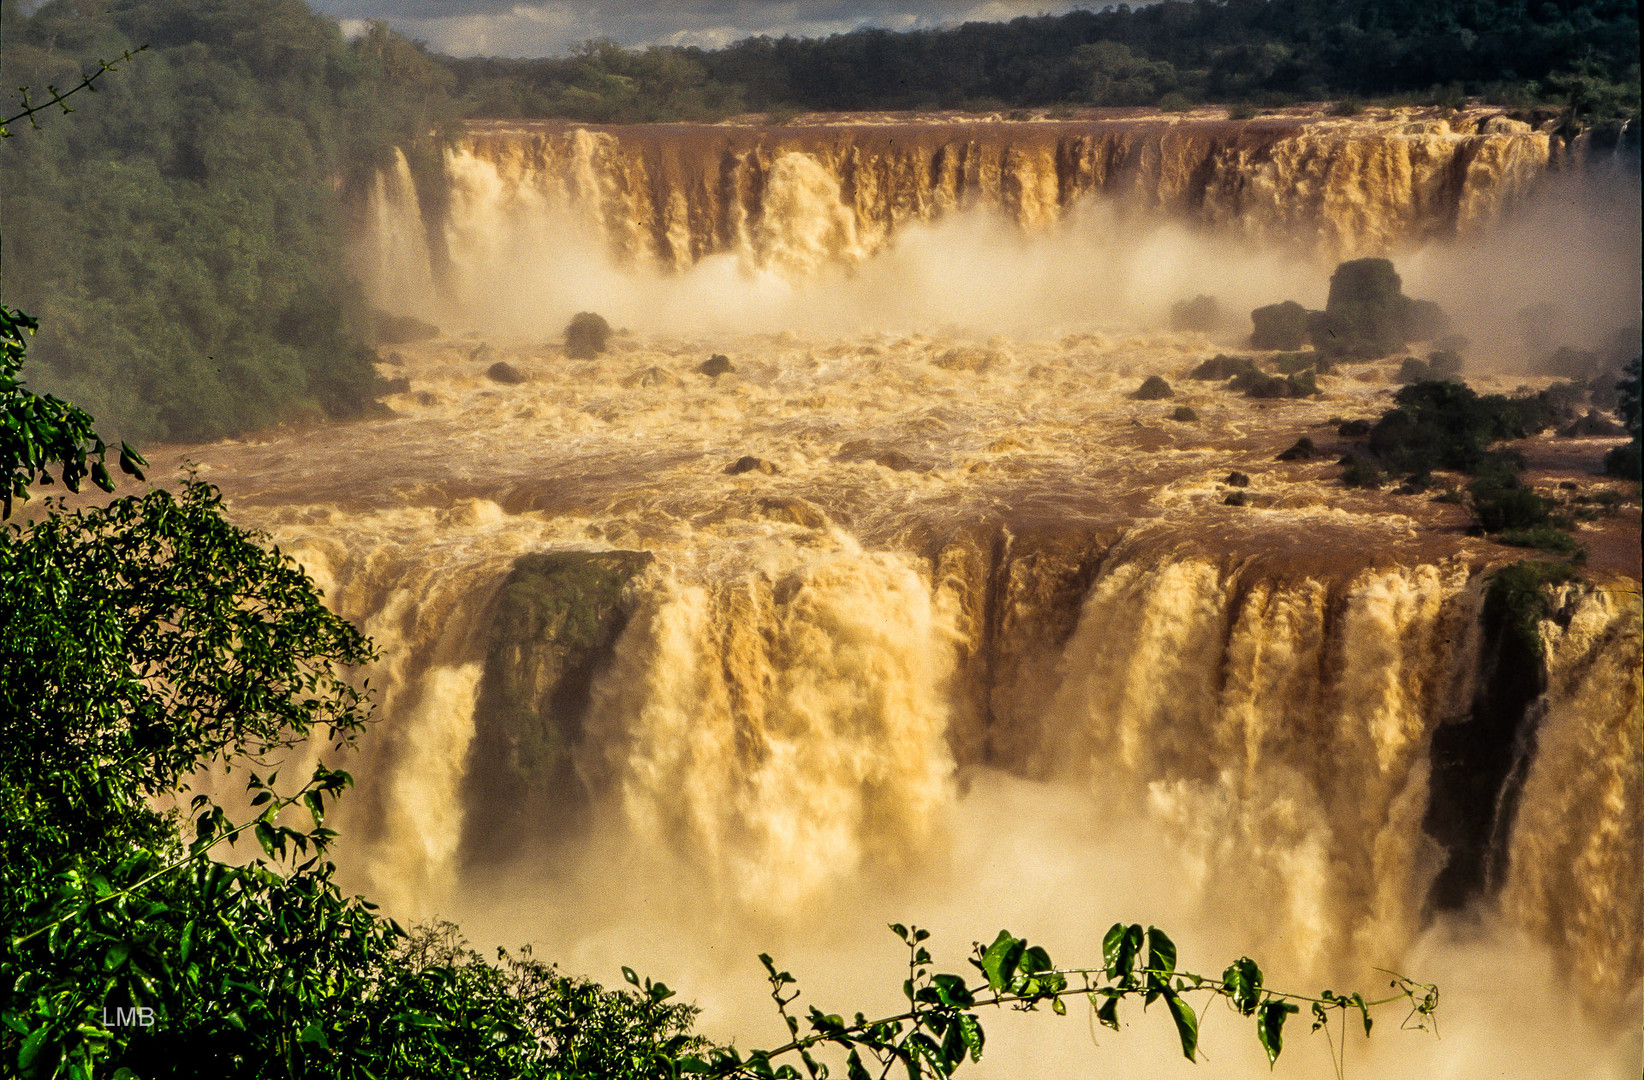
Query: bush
{"points": [[1445, 425], [1501, 505], [586, 336], [1542, 538], [1361, 472], [1185, 414], [1624, 461], [1153, 388]]}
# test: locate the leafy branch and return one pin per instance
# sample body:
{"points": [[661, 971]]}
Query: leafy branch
{"points": [[38, 431], [940, 1028], [60, 98], [212, 828]]}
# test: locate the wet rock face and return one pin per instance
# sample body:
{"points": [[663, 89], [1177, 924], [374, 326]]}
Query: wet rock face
{"points": [[748, 463], [1153, 388], [505, 373], [1368, 314], [554, 622], [1279, 326]]}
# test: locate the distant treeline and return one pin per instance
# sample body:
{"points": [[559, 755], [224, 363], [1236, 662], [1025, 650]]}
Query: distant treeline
{"points": [[1574, 54], [180, 236]]}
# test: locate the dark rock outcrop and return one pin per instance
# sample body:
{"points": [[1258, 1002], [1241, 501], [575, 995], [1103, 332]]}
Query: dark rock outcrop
{"points": [[505, 373], [586, 335]]}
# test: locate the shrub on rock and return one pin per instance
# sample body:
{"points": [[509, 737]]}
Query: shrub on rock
{"points": [[1185, 414], [717, 364]]}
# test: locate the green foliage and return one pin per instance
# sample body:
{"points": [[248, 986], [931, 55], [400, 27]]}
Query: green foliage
{"points": [[183, 239], [1501, 503], [1516, 598], [1543, 537], [940, 1028], [1624, 461], [1440, 424], [1582, 55], [148, 639], [40, 433]]}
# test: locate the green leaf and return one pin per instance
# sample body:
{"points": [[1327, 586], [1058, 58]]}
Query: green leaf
{"points": [[951, 990], [1108, 1014], [1364, 1011], [1187, 1023], [1161, 953], [1000, 960], [1243, 981], [1270, 1026], [970, 1029], [32, 1047]]}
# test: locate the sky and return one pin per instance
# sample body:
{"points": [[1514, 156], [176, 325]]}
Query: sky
{"points": [[550, 27]]}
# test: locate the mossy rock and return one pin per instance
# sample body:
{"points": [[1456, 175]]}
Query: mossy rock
{"points": [[554, 623]]}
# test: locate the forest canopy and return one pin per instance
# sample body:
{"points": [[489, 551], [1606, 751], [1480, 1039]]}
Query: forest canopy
{"points": [[181, 239], [1576, 54]]}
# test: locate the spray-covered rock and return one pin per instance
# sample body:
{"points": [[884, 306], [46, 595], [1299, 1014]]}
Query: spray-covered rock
{"points": [[586, 336]]}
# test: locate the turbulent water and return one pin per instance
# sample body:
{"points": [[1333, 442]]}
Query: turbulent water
{"points": [[942, 625]]}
